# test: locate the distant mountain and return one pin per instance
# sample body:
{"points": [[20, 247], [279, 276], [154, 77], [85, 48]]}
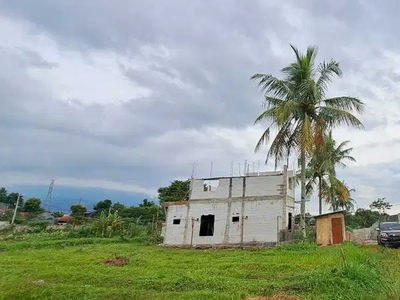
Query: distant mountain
{"points": [[63, 197]]}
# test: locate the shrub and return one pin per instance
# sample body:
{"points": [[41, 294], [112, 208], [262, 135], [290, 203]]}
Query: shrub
{"points": [[38, 226]]}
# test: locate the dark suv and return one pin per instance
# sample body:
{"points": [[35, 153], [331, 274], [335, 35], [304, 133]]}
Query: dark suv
{"points": [[389, 234]]}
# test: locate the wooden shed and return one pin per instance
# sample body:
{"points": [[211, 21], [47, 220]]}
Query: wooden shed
{"points": [[330, 228]]}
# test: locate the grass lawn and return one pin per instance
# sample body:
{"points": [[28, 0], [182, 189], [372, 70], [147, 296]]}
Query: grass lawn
{"points": [[72, 269]]}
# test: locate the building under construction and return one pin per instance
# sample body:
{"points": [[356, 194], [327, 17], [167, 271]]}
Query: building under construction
{"points": [[232, 211]]}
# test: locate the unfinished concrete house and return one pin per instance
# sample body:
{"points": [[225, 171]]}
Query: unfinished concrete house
{"points": [[232, 211]]}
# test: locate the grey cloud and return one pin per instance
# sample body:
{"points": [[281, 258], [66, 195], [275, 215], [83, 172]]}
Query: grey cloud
{"points": [[382, 178], [197, 59]]}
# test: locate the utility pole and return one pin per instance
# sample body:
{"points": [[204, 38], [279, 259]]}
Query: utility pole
{"points": [[156, 227], [15, 209]]}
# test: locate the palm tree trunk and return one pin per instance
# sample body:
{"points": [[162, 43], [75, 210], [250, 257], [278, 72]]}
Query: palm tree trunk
{"points": [[303, 192], [320, 194]]}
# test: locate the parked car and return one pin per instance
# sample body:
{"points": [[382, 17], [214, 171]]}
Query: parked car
{"points": [[389, 234]]}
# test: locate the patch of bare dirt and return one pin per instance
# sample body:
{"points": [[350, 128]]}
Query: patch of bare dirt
{"points": [[276, 297], [116, 262]]}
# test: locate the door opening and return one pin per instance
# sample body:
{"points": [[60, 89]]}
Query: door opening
{"points": [[207, 225]]}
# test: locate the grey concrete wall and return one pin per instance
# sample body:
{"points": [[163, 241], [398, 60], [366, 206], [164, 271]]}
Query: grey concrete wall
{"points": [[237, 187], [259, 218], [263, 185], [254, 186], [221, 191], [367, 233]]}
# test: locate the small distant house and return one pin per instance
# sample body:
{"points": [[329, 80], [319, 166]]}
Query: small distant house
{"points": [[239, 210], [3, 208], [330, 228], [91, 214], [63, 220], [46, 216]]}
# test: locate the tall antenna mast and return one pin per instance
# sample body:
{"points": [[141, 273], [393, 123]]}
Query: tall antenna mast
{"points": [[191, 180], [195, 170], [47, 202], [193, 166]]}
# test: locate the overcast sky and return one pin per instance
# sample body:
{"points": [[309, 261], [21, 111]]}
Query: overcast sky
{"points": [[126, 95]]}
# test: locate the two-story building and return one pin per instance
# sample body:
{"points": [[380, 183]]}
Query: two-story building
{"points": [[229, 211]]}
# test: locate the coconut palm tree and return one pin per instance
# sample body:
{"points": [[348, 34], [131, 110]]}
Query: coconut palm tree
{"points": [[297, 107], [322, 165], [338, 194]]}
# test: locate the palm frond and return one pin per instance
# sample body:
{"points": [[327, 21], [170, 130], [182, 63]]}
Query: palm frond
{"points": [[351, 158], [296, 52], [309, 93], [270, 102], [312, 52], [335, 117], [310, 186], [287, 112], [281, 144], [268, 114], [349, 104], [327, 71], [306, 134], [263, 140], [342, 144], [273, 86]]}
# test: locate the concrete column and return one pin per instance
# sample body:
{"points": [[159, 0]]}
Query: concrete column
{"points": [[228, 222], [284, 198], [188, 227]]}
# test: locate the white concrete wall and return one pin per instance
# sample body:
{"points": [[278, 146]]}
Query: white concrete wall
{"points": [[291, 188], [237, 187], [222, 191], [260, 221], [255, 186], [175, 234], [263, 185], [219, 210]]}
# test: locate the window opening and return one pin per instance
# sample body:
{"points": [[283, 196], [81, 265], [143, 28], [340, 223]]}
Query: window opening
{"points": [[207, 225], [177, 221], [235, 219], [210, 185], [290, 218], [290, 183]]}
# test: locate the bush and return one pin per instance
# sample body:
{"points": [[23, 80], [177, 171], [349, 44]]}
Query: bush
{"points": [[110, 226], [310, 235], [19, 221], [38, 226]]}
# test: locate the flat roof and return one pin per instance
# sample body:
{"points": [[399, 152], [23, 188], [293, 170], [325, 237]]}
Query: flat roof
{"points": [[331, 213], [228, 177], [166, 204]]}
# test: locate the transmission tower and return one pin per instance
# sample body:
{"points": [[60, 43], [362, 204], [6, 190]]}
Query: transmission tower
{"points": [[47, 202]]}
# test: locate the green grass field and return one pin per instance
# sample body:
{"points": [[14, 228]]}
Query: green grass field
{"points": [[72, 269]]}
